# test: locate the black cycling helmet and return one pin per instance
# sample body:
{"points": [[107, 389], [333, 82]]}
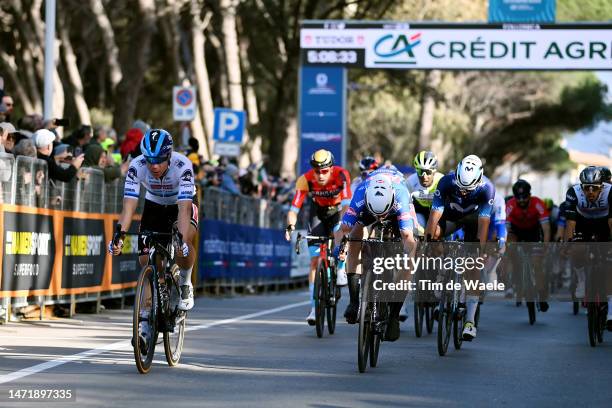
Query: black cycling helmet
{"points": [[606, 175], [321, 158], [591, 175], [521, 189], [368, 163]]}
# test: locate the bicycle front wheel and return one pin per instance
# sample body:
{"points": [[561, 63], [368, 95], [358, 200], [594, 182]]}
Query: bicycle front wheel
{"points": [[418, 318], [319, 293], [532, 312], [173, 340], [444, 328], [363, 341], [331, 305], [144, 320]]}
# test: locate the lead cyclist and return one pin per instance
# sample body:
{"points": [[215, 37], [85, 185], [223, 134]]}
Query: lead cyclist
{"points": [[170, 198]]}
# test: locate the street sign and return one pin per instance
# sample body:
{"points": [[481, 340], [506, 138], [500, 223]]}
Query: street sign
{"points": [[183, 103], [521, 11], [229, 125], [227, 149]]}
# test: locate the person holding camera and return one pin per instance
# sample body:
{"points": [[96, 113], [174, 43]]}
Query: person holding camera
{"points": [[43, 139]]}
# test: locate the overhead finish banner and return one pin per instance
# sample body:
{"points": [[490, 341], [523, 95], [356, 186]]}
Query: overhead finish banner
{"points": [[458, 46]]}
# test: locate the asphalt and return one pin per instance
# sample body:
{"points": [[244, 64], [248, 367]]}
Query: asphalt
{"points": [[258, 351]]}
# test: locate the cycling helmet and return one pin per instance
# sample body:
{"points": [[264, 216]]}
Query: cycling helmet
{"points": [[591, 175], [425, 160], [605, 174], [521, 189], [156, 146], [368, 163], [321, 158], [469, 172], [379, 195]]}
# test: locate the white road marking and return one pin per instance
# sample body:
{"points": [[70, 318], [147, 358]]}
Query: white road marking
{"points": [[125, 344]]}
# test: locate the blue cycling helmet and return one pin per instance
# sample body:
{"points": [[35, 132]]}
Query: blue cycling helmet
{"points": [[156, 146]]}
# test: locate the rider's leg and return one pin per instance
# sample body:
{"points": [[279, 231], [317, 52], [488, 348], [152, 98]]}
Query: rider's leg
{"points": [[353, 277]]}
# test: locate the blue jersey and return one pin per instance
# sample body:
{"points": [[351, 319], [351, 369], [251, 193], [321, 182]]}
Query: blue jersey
{"points": [[402, 206], [448, 198]]}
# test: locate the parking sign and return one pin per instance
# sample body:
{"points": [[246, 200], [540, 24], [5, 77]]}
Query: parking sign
{"points": [[229, 125], [183, 103]]}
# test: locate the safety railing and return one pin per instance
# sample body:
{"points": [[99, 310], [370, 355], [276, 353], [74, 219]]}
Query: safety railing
{"points": [[24, 181]]}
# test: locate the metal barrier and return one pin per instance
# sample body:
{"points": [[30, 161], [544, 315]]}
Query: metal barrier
{"points": [[24, 181]]}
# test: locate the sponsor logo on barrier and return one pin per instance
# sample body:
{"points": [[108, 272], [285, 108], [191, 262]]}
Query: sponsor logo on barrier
{"points": [[26, 243], [83, 245]]}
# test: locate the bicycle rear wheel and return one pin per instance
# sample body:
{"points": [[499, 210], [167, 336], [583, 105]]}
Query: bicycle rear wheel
{"points": [[331, 306], [363, 341], [418, 318], [319, 293], [593, 322], [145, 311], [531, 311], [429, 320], [444, 328], [173, 341], [458, 322]]}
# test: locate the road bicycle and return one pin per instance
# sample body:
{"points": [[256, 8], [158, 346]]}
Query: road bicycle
{"points": [[326, 293], [157, 298]]}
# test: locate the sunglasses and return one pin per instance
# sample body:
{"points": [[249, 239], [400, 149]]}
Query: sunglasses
{"points": [[422, 172], [322, 171], [591, 187], [522, 198], [156, 160]]}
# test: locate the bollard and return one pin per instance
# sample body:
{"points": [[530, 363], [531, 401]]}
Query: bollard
{"points": [[72, 310]]}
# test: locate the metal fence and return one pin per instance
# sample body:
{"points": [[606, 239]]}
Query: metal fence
{"points": [[25, 181]]}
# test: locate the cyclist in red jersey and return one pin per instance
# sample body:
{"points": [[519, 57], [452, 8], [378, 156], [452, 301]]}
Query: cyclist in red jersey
{"points": [[528, 221], [330, 189]]}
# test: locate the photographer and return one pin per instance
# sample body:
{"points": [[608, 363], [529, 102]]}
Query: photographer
{"points": [[43, 139]]}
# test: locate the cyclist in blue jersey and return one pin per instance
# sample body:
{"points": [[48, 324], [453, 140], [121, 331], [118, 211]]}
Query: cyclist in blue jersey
{"points": [[382, 195], [464, 199]]}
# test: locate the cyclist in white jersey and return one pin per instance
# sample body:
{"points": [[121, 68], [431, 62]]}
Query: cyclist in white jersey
{"points": [[170, 198]]}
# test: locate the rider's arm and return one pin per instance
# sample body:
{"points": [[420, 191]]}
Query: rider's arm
{"points": [[346, 193], [437, 209], [432, 222], [128, 211], [131, 193], [184, 217], [483, 229], [544, 219], [570, 213], [301, 191], [484, 213]]}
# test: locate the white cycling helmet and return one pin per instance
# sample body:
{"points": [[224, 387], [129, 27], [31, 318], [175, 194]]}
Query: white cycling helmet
{"points": [[379, 195], [469, 172]]}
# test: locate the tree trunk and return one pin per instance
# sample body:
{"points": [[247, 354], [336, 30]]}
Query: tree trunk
{"points": [[428, 108], [134, 66], [221, 72], [70, 61], [290, 150], [8, 61], [108, 39], [205, 105]]}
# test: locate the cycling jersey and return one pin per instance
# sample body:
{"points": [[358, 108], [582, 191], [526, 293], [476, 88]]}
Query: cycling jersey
{"points": [[336, 191], [526, 218], [176, 185], [591, 217], [579, 206], [422, 200], [449, 200], [402, 210]]}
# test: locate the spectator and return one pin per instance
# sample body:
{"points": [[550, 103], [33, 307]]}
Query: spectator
{"points": [[229, 179], [248, 182], [100, 134], [25, 147], [196, 159], [79, 139], [31, 123], [6, 129], [62, 154], [43, 139], [3, 111], [96, 157], [131, 144], [7, 101]]}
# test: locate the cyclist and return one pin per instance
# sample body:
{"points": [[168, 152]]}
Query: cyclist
{"points": [[464, 199], [367, 165], [422, 185], [329, 186], [589, 213], [381, 196], [168, 179], [528, 221]]}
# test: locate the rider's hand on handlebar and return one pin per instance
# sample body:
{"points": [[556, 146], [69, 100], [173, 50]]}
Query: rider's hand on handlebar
{"points": [[290, 228]]}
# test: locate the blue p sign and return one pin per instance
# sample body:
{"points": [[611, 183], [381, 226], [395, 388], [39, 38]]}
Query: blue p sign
{"points": [[229, 125]]}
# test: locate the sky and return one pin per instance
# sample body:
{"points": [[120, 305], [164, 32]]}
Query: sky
{"points": [[598, 139]]}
